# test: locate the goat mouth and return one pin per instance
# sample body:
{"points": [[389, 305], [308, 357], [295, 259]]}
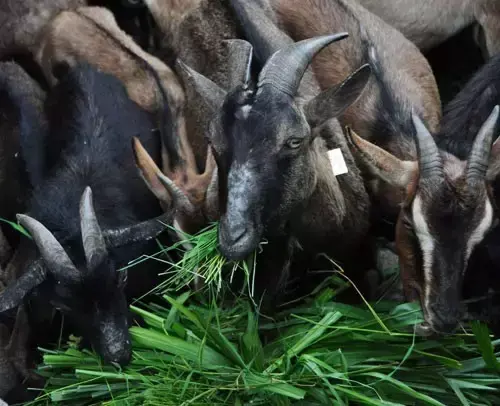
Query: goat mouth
{"points": [[238, 244]]}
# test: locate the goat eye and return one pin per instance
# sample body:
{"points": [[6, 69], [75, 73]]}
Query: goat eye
{"points": [[294, 143]]}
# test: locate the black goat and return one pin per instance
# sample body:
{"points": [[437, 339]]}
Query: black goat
{"points": [[86, 147]]}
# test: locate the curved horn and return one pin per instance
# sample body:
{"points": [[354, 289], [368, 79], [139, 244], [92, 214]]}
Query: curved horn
{"points": [[15, 292], [92, 239], [145, 231], [52, 252], [478, 162], [181, 201], [285, 68], [429, 160]]}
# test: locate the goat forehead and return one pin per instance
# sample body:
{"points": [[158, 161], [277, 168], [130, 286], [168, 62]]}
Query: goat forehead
{"points": [[452, 218], [267, 121], [454, 167]]}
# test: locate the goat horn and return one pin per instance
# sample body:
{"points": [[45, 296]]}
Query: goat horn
{"points": [[144, 231], [285, 68], [15, 292], [240, 62], [478, 162], [429, 160], [55, 257], [92, 239], [179, 198]]}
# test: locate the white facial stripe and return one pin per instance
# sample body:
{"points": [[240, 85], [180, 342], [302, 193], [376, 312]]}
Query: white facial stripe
{"points": [[427, 246], [484, 225]]}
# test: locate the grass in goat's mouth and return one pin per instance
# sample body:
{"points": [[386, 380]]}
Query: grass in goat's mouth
{"points": [[195, 352], [202, 262]]}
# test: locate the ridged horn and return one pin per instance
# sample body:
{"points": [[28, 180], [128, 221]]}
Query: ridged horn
{"points": [[53, 254], [477, 165], [429, 159], [94, 245], [286, 67]]}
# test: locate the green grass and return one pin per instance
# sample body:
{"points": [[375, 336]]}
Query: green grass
{"points": [[195, 351], [203, 261]]}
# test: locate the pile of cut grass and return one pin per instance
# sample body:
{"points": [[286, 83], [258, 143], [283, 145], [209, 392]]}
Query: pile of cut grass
{"points": [[319, 353], [197, 352]]}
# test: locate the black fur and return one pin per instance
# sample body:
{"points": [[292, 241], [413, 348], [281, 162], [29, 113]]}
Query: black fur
{"points": [[466, 113]]}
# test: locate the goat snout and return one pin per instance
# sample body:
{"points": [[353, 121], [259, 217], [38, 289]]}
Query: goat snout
{"points": [[444, 316], [118, 353], [115, 344], [237, 241]]}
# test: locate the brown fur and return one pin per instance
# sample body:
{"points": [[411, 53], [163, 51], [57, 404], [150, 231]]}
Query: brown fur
{"points": [[408, 77], [193, 31], [428, 23], [407, 71], [22, 20], [409, 261]]}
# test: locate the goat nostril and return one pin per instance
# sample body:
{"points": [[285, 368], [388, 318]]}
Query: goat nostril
{"points": [[237, 233]]}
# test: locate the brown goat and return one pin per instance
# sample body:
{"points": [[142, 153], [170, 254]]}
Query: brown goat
{"points": [[428, 23]]}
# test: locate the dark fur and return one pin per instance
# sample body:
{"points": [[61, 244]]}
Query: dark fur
{"points": [[21, 100], [467, 112]]}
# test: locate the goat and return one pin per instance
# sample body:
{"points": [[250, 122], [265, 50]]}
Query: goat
{"points": [[191, 194], [427, 24], [402, 79], [462, 119], [85, 150], [442, 193], [271, 148]]}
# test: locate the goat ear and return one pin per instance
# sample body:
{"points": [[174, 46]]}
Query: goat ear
{"points": [[212, 94], [334, 101], [14, 294], [149, 172], [381, 163]]}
